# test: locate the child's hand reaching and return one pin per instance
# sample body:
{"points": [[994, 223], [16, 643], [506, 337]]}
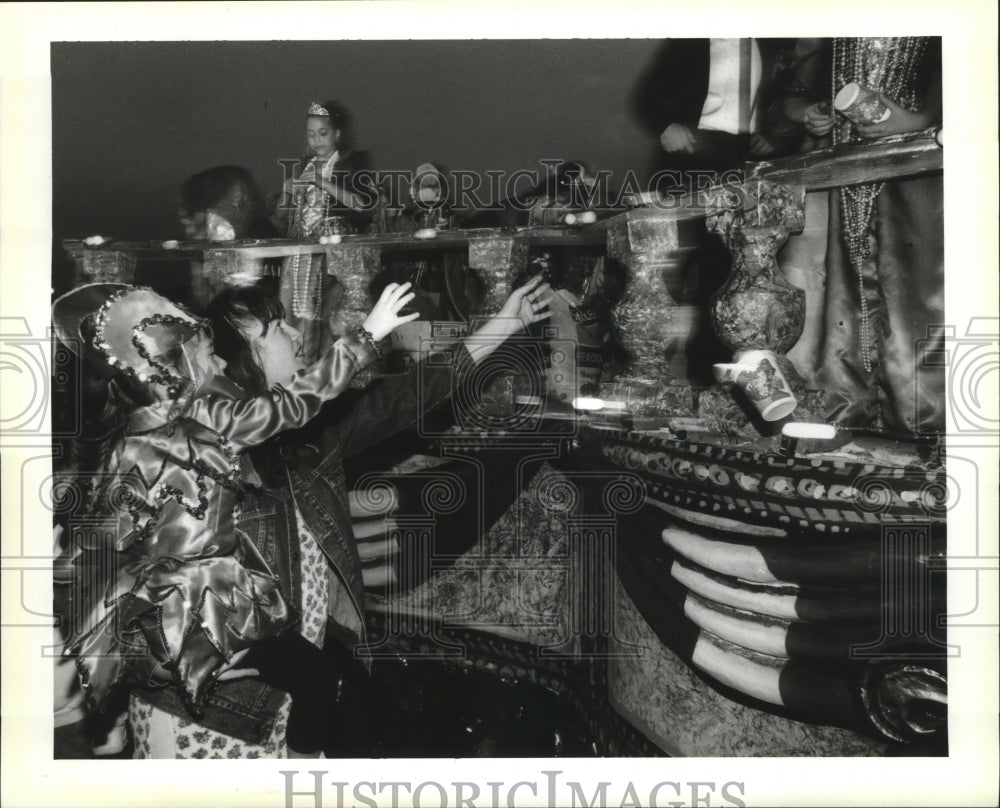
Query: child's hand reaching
{"points": [[527, 304], [384, 317]]}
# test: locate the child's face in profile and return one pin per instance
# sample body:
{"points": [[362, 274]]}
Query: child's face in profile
{"points": [[322, 136], [277, 350]]}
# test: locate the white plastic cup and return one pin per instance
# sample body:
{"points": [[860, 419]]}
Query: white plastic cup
{"points": [[758, 375], [861, 104]]}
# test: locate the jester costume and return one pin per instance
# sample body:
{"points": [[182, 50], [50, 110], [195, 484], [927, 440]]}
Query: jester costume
{"points": [[173, 589]]}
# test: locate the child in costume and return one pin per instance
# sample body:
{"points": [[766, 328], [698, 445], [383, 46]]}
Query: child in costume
{"points": [[183, 594], [324, 187], [323, 199]]}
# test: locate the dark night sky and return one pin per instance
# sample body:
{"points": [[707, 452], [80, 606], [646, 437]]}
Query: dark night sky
{"points": [[132, 120]]}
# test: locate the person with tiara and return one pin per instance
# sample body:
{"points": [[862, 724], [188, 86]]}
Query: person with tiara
{"points": [[182, 594], [321, 199]]}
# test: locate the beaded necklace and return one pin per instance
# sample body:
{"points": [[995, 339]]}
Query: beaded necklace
{"points": [[306, 296], [306, 300], [888, 64]]}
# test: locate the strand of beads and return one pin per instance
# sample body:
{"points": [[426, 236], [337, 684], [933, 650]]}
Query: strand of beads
{"points": [[887, 64], [323, 172], [306, 301], [307, 297], [857, 205], [325, 195]]}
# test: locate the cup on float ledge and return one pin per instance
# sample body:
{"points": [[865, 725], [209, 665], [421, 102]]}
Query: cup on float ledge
{"points": [[861, 104], [759, 376]]}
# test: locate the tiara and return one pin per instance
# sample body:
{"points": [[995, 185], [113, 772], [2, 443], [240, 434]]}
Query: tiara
{"points": [[317, 109]]}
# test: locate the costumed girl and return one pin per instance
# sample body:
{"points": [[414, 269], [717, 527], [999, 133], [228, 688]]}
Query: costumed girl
{"points": [[183, 594], [320, 200], [299, 519]]}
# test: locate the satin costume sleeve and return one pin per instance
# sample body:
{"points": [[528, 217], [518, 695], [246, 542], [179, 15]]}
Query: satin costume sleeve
{"points": [[250, 422], [171, 585]]}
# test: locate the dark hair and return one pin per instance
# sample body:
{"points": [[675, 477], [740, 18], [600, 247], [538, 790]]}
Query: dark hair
{"points": [[340, 119], [207, 188], [214, 187], [232, 312]]}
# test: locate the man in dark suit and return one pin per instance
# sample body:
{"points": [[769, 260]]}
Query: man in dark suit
{"points": [[702, 99]]}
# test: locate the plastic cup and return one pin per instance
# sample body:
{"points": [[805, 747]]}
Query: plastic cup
{"points": [[758, 375], [861, 104]]}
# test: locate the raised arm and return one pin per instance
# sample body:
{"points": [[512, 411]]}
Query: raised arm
{"points": [[249, 422], [391, 403], [525, 306]]}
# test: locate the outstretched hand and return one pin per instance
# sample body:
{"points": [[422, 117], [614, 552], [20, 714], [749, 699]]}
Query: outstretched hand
{"points": [[384, 317], [527, 304]]}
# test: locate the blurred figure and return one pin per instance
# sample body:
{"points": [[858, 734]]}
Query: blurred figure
{"points": [[701, 101], [441, 281], [222, 204], [568, 187]]}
